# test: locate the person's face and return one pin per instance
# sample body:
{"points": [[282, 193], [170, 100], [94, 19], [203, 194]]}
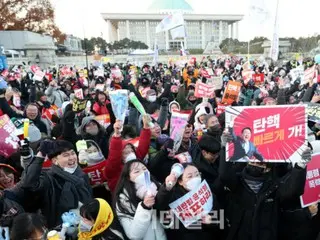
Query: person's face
{"points": [[187, 133], [156, 130], [126, 151], [270, 103], [32, 112], [291, 100], [68, 87], [210, 157], [92, 149], [91, 128], [43, 98], [38, 234], [135, 170], [86, 92], [174, 107], [212, 121], [189, 173], [246, 135], [6, 179], [254, 103], [201, 118], [67, 159], [102, 98]]}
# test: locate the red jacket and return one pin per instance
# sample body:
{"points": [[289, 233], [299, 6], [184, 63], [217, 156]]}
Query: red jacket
{"points": [[114, 163], [100, 110]]}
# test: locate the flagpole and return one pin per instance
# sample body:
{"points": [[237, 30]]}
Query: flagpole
{"points": [[275, 37]]}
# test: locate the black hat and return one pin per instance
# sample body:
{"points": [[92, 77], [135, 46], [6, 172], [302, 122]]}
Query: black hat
{"points": [[209, 144], [58, 147]]}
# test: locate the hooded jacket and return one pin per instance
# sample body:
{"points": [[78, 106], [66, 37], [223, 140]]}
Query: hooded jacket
{"points": [[114, 164]]}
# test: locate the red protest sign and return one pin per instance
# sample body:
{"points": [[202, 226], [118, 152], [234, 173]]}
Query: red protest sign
{"points": [[231, 92], [270, 133], [203, 90], [221, 108], [9, 142], [95, 173], [309, 73], [35, 68], [258, 79], [311, 193]]}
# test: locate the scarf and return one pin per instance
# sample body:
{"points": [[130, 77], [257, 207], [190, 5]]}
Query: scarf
{"points": [[103, 221], [73, 190]]}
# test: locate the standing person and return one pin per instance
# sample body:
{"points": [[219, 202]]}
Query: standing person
{"points": [[101, 105], [64, 187], [55, 95], [134, 203], [256, 194]]}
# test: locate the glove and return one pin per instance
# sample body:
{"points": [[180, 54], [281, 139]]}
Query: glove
{"points": [[46, 146], [164, 102], [25, 149], [226, 138], [306, 158], [83, 157]]}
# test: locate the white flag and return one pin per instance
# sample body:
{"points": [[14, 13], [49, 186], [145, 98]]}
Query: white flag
{"points": [[178, 32], [274, 50], [183, 51], [156, 53], [169, 22]]}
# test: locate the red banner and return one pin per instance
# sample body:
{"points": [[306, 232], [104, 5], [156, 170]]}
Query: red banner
{"points": [[203, 90], [258, 79], [270, 133], [221, 108], [311, 193], [9, 142], [95, 173]]}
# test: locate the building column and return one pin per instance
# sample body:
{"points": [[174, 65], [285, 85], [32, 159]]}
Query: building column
{"points": [[148, 34], [167, 40], [220, 31], [128, 29], [232, 35], [237, 30], [203, 35]]}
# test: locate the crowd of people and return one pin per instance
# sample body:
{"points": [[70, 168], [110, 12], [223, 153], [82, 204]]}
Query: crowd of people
{"points": [[75, 177]]}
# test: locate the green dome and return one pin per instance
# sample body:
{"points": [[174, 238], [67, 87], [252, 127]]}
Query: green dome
{"points": [[170, 5]]}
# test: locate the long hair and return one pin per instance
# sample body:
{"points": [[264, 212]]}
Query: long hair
{"points": [[127, 187]]}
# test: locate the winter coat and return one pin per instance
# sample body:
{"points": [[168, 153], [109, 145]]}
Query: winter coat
{"points": [[114, 162], [56, 96], [256, 216], [60, 190], [100, 109]]}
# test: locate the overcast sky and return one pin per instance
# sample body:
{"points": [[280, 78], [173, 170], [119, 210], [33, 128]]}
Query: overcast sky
{"points": [[296, 17]]}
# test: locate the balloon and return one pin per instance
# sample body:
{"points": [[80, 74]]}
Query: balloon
{"points": [[317, 58]]}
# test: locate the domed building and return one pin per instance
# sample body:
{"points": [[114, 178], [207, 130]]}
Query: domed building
{"points": [[203, 31]]}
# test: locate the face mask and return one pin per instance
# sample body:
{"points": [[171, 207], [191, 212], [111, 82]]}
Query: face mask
{"points": [[193, 183], [152, 98], [93, 132], [131, 156], [95, 156], [70, 170], [140, 181], [85, 227], [254, 171]]}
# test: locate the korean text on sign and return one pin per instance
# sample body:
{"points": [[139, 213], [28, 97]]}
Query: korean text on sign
{"points": [[193, 205], [232, 92]]}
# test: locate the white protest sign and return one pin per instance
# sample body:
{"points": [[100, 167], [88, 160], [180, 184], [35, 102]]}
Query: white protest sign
{"points": [[193, 205], [38, 76], [78, 93]]}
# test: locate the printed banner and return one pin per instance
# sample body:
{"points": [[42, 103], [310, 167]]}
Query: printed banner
{"points": [[103, 120], [193, 205], [297, 73], [95, 173], [269, 133], [231, 93], [311, 193], [203, 90], [247, 75], [116, 73], [35, 68], [79, 105], [216, 82], [177, 124], [78, 93], [258, 79], [16, 100], [184, 157], [9, 142], [313, 111], [100, 87]]}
